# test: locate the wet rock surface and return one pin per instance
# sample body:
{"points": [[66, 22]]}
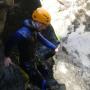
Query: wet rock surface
{"points": [[72, 62]]}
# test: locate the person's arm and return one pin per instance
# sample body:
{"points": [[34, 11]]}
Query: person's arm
{"points": [[7, 52], [8, 45], [46, 42]]}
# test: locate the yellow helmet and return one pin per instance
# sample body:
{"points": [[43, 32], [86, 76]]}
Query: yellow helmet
{"points": [[42, 16]]}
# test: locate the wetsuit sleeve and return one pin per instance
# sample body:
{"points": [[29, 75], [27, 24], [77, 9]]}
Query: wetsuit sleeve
{"points": [[45, 42]]}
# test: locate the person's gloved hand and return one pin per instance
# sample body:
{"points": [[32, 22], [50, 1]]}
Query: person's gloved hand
{"points": [[51, 53], [56, 50]]}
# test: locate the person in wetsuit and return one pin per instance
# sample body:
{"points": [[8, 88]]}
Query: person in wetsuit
{"points": [[26, 39]]}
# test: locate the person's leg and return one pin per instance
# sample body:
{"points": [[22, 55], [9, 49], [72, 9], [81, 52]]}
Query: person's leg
{"points": [[35, 77], [28, 64]]}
